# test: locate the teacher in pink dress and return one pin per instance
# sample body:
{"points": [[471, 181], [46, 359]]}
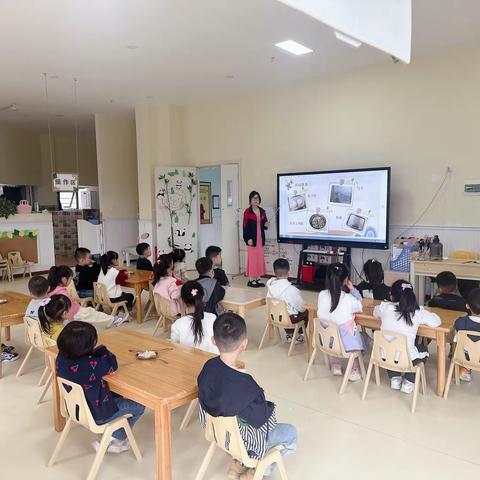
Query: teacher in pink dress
{"points": [[255, 223]]}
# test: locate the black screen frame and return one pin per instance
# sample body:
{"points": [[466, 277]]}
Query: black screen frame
{"points": [[337, 243]]}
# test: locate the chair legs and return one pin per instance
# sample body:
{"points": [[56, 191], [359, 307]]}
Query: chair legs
{"points": [[348, 370], [133, 442], [310, 363], [44, 376], [367, 380], [206, 462], [264, 336], [377, 375], [45, 388], [60, 442], [160, 325], [418, 380], [449, 379], [294, 339], [282, 470], [424, 381], [188, 414], [25, 360], [104, 442]]}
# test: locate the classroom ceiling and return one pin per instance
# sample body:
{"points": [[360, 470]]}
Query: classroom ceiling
{"points": [[125, 52]]}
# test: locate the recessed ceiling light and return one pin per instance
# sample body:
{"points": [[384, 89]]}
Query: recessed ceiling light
{"points": [[353, 42], [132, 47], [293, 47]]}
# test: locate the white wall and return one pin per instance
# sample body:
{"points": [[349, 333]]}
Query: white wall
{"points": [[211, 234]]}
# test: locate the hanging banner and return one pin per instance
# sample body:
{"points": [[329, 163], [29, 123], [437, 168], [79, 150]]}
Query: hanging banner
{"points": [[64, 182]]}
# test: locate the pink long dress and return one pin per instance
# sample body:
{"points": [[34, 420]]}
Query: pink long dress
{"points": [[255, 256]]}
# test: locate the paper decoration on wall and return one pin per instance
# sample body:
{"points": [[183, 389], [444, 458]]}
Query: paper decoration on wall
{"points": [[64, 182], [19, 233], [383, 24], [176, 202]]}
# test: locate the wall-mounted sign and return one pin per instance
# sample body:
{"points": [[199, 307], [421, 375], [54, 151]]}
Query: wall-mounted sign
{"points": [[64, 182]]}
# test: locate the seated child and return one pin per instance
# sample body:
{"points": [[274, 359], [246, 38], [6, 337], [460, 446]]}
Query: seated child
{"points": [[86, 272], [195, 329], [403, 315], [59, 278], [215, 255], [447, 295], [374, 287], [143, 251], [472, 323], [213, 291], [338, 304], [281, 289], [226, 391], [53, 314], [38, 288], [165, 284], [179, 267], [113, 279], [82, 361]]}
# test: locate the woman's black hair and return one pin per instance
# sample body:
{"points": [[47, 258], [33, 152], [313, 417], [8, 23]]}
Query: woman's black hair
{"points": [[373, 272], [53, 311], [106, 260], [178, 255], [161, 267], [55, 275], [403, 294], [252, 194], [192, 294], [336, 275], [77, 340]]}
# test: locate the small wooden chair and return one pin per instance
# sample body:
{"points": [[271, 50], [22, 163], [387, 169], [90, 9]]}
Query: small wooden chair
{"points": [[164, 311], [326, 338], [37, 341], [223, 432], [72, 291], [466, 355], [101, 299], [16, 261], [5, 269], [390, 351], [278, 319], [75, 409], [151, 302]]}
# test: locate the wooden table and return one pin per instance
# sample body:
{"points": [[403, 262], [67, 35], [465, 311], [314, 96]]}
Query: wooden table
{"points": [[419, 269], [442, 334], [12, 313], [241, 300], [139, 280], [159, 386]]}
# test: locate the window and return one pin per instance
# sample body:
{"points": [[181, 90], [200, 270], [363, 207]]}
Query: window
{"points": [[68, 200]]}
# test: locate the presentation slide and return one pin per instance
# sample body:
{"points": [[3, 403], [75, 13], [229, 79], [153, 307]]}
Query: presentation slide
{"points": [[344, 207]]}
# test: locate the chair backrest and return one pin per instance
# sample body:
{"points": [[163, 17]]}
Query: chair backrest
{"points": [[467, 352], [100, 295], [390, 351], [327, 338], [73, 404], [225, 433], [278, 313], [162, 305], [464, 255], [33, 333], [72, 292], [15, 258]]}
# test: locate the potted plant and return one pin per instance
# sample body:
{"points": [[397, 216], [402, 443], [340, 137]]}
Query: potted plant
{"points": [[7, 208]]}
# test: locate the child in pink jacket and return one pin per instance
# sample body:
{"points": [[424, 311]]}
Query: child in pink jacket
{"points": [[165, 284]]}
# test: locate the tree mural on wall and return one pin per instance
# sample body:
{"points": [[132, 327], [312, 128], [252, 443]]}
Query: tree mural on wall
{"points": [[176, 194]]}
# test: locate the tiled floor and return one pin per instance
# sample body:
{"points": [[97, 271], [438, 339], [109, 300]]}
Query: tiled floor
{"points": [[339, 437]]}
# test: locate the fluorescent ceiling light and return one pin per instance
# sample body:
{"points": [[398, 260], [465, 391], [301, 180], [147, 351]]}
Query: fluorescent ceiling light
{"points": [[294, 47], [346, 39]]}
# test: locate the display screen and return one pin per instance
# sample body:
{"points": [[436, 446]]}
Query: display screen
{"points": [[341, 208]]}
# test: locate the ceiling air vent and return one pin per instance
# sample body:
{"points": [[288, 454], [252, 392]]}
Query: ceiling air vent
{"points": [[472, 188]]}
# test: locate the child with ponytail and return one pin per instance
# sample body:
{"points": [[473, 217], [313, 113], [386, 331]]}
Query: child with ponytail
{"points": [[339, 303], [53, 314], [59, 278], [403, 315], [196, 328]]}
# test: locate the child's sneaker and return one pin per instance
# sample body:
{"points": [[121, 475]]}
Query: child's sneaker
{"points": [[337, 369], [288, 338], [355, 375], [116, 446], [465, 375], [396, 383], [9, 357], [407, 386], [119, 320], [300, 339], [7, 348]]}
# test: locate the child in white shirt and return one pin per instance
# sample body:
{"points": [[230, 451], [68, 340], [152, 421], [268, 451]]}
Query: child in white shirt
{"points": [[403, 315], [196, 328], [339, 303], [280, 288]]}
